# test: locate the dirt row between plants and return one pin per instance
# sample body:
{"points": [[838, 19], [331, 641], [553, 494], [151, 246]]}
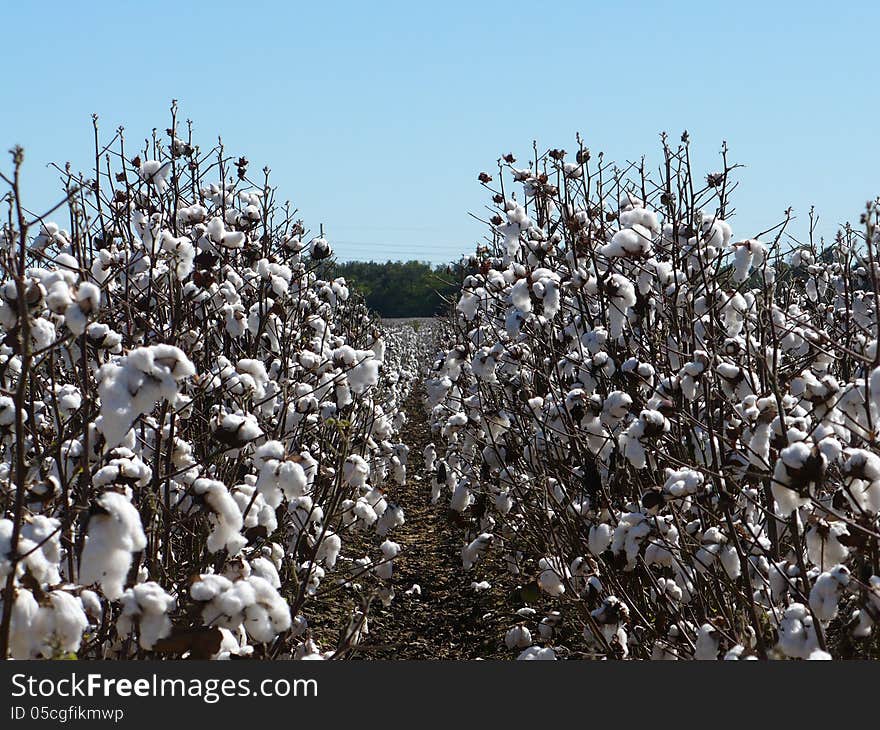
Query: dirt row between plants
{"points": [[449, 619]]}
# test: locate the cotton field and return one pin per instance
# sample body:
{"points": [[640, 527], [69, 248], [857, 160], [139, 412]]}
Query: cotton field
{"points": [[665, 431], [636, 435], [199, 423]]}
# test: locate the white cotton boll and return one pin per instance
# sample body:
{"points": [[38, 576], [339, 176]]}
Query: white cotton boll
{"points": [[265, 569], [365, 374], [707, 643], [43, 332], [430, 455], [824, 548], [520, 296], [114, 533], [364, 513], [391, 518], [40, 542], [621, 298], [747, 254], [730, 561], [792, 459], [252, 602], [819, 655], [518, 637], [155, 173], [468, 305], [862, 468], [134, 384], [147, 605], [552, 300], [826, 591], [23, 644], [550, 578], [874, 384], [461, 496], [503, 502], [225, 517], [233, 239], [68, 398], [390, 551], [475, 549], [355, 471], [797, 635], [399, 470], [600, 538], [53, 630], [269, 451], [632, 242], [328, 550], [312, 575], [537, 653], [279, 480], [91, 604]]}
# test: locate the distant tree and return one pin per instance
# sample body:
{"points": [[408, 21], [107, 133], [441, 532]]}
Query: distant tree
{"points": [[402, 289]]}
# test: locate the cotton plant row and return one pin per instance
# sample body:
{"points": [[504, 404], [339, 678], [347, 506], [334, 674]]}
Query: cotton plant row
{"points": [[666, 430], [199, 424]]}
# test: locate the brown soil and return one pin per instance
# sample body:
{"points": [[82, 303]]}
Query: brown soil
{"points": [[449, 620]]}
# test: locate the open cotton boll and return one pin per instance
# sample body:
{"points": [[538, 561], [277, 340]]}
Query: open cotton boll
{"points": [[114, 533], [392, 517], [475, 549], [390, 550], [461, 496], [40, 544], [250, 602], [279, 480], [320, 248], [468, 305], [312, 575], [155, 173], [518, 637], [707, 643], [797, 635], [365, 374], [364, 513], [746, 255], [824, 548], [621, 298], [600, 538], [631, 242], [355, 471], [225, 516], [131, 387], [537, 653], [862, 470], [797, 469], [146, 606], [520, 296], [234, 430], [826, 592], [265, 568], [550, 577], [328, 550], [50, 629], [23, 641]]}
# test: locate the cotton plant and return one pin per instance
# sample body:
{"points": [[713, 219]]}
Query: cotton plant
{"points": [[189, 377], [659, 417]]}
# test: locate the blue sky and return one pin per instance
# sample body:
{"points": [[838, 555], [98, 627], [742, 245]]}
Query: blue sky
{"points": [[377, 117]]}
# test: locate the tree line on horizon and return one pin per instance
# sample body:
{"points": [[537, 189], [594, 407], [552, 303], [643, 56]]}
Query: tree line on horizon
{"points": [[403, 288]]}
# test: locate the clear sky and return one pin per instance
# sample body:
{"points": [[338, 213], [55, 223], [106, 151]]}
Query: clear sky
{"points": [[376, 117]]}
